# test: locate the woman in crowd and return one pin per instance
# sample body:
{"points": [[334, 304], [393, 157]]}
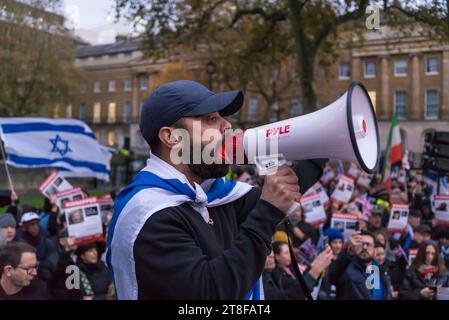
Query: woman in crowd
{"points": [[425, 274], [95, 276]]}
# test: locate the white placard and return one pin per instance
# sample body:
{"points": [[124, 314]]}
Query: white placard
{"points": [[328, 175], [313, 210], [344, 189], [441, 207], [84, 219], [53, 184], [354, 171], [345, 222], [67, 195], [106, 205], [398, 218], [364, 179]]}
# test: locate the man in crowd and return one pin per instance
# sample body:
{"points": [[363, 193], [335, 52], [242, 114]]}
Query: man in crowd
{"points": [[355, 273], [18, 266], [46, 248]]}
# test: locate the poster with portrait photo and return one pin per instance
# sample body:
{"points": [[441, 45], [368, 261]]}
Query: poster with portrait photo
{"points": [[53, 184], [354, 171], [441, 207], [84, 219], [67, 195], [364, 179], [345, 222], [344, 189], [313, 210], [106, 206], [398, 218], [328, 175]]}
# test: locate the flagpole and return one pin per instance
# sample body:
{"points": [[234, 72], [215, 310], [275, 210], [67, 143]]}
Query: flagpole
{"points": [[11, 186]]}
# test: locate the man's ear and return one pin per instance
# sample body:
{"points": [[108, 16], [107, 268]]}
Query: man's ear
{"points": [[7, 270], [168, 138]]}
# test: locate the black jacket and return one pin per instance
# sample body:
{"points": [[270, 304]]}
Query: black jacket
{"points": [[349, 276], [414, 283], [179, 256], [57, 285], [37, 290], [99, 277]]}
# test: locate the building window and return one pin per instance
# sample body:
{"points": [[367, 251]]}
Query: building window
{"points": [[431, 104], [97, 86], [111, 85], [68, 111], [275, 111], [400, 67], [432, 65], [127, 86], [400, 104], [111, 112], [369, 70], [57, 111], [143, 81], [82, 111], [345, 71], [127, 112], [372, 96], [296, 107], [111, 138], [97, 112], [83, 88], [98, 135], [252, 109]]}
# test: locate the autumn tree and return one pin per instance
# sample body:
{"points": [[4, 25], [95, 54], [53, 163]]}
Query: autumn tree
{"points": [[37, 59]]}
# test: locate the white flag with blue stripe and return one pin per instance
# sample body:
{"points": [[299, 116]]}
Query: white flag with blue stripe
{"points": [[66, 144]]}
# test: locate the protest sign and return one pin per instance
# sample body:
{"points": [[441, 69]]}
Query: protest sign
{"points": [[313, 210], [84, 219], [441, 204], [60, 198], [364, 180], [398, 218], [106, 206], [53, 184], [345, 222], [354, 171], [328, 175], [344, 189]]}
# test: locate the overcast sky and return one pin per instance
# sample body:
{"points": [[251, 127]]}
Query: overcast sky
{"points": [[94, 20]]}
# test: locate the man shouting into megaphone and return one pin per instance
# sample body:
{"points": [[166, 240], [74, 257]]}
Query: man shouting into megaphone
{"points": [[182, 230]]}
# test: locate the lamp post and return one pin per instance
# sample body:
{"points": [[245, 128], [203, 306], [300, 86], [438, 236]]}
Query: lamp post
{"points": [[211, 68]]}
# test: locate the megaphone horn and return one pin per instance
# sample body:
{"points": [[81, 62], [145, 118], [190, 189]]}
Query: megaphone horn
{"points": [[345, 130]]}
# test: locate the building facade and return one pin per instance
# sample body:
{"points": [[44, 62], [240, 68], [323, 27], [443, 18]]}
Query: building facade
{"points": [[406, 75]]}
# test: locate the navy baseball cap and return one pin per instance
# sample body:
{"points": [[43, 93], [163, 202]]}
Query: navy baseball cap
{"points": [[184, 98]]}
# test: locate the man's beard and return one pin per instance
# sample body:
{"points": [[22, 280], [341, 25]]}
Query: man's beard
{"points": [[366, 258], [207, 171]]}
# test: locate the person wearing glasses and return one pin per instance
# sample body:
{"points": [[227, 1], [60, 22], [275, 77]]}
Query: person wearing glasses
{"points": [[18, 266], [356, 274]]}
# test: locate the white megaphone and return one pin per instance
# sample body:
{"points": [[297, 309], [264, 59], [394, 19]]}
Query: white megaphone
{"points": [[345, 130]]}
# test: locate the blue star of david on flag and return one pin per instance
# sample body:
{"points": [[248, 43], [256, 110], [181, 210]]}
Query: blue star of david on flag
{"points": [[59, 145]]}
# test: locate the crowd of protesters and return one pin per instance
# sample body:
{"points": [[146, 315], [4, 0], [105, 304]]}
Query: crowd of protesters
{"points": [[410, 265], [37, 254], [38, 257]]}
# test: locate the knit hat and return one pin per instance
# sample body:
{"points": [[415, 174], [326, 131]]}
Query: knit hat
{"points": [[7, 220], [333, 234], [280, 236]]}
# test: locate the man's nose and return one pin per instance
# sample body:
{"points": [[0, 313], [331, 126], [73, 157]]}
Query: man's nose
{"points": [[226, 125]]}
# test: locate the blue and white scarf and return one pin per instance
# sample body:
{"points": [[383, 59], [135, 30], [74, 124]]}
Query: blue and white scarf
{"points": [[156, 187]]}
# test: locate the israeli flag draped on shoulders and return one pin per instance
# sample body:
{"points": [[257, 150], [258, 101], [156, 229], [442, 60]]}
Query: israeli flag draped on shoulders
{"points": [[157, 186], [67, 144]]}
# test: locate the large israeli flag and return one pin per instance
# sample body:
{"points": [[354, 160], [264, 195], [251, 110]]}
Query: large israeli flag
{"points": [[66, 144]]}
